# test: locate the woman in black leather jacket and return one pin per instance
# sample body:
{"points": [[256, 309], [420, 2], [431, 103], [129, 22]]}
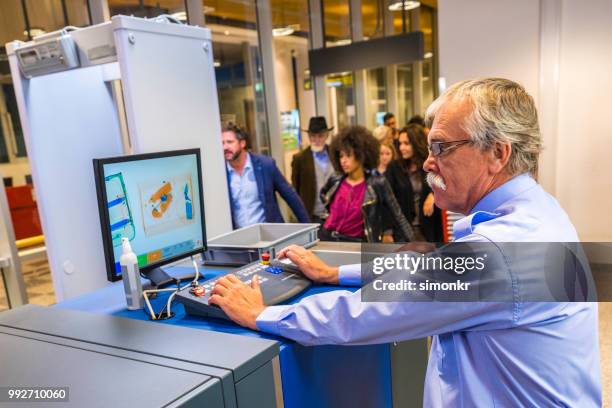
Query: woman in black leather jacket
{"points": [[357, 199], [407, 180]]}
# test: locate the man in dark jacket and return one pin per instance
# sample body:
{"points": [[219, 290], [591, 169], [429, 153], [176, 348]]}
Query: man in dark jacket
{"points": [[253, 180], [311, 168]]}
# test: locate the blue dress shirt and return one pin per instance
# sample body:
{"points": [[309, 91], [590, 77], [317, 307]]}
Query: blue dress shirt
{"points": [[323, 170], [246, 206], [490, 354]]}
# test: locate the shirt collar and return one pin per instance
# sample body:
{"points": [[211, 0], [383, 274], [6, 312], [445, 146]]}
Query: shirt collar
{"points": [[320, 155], [486, 208], [247, 165], [503, 193]]}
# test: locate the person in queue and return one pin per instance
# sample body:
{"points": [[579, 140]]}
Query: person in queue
{"points": [[387, 155], [356, 199], [407, 179], [253, 180], [311, 168]]}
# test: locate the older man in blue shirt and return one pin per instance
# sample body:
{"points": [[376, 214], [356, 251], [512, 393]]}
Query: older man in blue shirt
{"points": [[484, 147]]}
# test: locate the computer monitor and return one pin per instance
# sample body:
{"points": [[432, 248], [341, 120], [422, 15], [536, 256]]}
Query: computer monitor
{"points": [[155, 200]]}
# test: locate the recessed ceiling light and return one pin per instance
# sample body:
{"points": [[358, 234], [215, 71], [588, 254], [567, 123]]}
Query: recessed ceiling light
{"points": [[287, 30], [282, 31], [346, 41], [407, 5], [34, 32], [181, 15]]}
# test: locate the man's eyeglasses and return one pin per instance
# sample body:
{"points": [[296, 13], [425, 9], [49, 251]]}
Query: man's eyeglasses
{"points": [[440, 148]]}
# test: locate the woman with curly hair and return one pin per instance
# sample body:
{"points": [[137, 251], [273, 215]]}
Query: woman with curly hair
{"points": [[356, 199], [407, 179]]}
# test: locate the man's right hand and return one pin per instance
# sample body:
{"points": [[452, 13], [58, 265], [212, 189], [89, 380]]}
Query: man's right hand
{"points": [[311, 265]]}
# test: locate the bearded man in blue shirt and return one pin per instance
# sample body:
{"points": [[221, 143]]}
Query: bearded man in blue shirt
{"points": [[484, 146], [253, 181]]}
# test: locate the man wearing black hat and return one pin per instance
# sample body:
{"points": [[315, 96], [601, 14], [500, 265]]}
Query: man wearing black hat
{"points": [[311, 168]]}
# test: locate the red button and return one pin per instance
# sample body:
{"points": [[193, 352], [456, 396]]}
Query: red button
{"points": [[199, 291]]}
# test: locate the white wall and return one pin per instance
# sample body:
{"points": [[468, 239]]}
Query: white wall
{"points": [[561, 51], [584, 139], [479, 38]]}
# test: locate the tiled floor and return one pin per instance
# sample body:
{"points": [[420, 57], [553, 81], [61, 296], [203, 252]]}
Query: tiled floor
{"points": [[39, 286], [40, 291], [38, 282], [3, 303]]}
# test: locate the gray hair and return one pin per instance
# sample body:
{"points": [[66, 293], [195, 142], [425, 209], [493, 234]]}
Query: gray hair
{"points": [[502, 112]]}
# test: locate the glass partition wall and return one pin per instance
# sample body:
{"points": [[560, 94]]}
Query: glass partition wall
{"points": [[404, 89]]}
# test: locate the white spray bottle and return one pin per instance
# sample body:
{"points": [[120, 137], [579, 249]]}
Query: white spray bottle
{"points": [[131, 276]]}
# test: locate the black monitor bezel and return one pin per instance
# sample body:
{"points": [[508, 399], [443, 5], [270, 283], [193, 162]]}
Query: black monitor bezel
{"points": [[98, 165]]}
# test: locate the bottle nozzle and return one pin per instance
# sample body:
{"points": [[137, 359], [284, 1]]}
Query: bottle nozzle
{"points": [[126, 248]]}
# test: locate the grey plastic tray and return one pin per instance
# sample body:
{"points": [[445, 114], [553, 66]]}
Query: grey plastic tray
{"points": [[245, 245]]}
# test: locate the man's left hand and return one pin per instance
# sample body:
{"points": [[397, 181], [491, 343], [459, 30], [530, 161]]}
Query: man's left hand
{"points": [[241, 303]]}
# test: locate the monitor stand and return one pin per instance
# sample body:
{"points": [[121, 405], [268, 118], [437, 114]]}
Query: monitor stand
{"points": [[159, 278]]}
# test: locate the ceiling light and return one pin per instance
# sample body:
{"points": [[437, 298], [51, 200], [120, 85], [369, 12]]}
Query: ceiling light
{"points": [[34, 32], [407, 5], [346, 41], [284, 31], [216, 64], [181, 15], [226, 32]]}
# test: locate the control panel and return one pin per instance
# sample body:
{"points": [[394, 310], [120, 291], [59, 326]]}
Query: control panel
{"points": [[279, 280]]}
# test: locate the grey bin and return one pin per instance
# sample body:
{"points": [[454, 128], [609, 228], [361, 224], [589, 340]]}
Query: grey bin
{"points": [[245, 245]]}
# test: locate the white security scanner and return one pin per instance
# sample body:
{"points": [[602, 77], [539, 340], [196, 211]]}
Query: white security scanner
{"points": [[127, 86]]}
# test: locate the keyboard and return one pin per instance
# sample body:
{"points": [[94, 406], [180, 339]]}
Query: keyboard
{"points": [[279, 281]]}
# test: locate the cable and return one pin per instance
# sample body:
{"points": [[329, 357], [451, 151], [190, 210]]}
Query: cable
{"points": [[146, 296], [176, 290], [197, 271], [195, 280], [166, 18]]}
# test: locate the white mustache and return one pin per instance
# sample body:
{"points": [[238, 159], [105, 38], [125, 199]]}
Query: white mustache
{"points": [[436, 180]]}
